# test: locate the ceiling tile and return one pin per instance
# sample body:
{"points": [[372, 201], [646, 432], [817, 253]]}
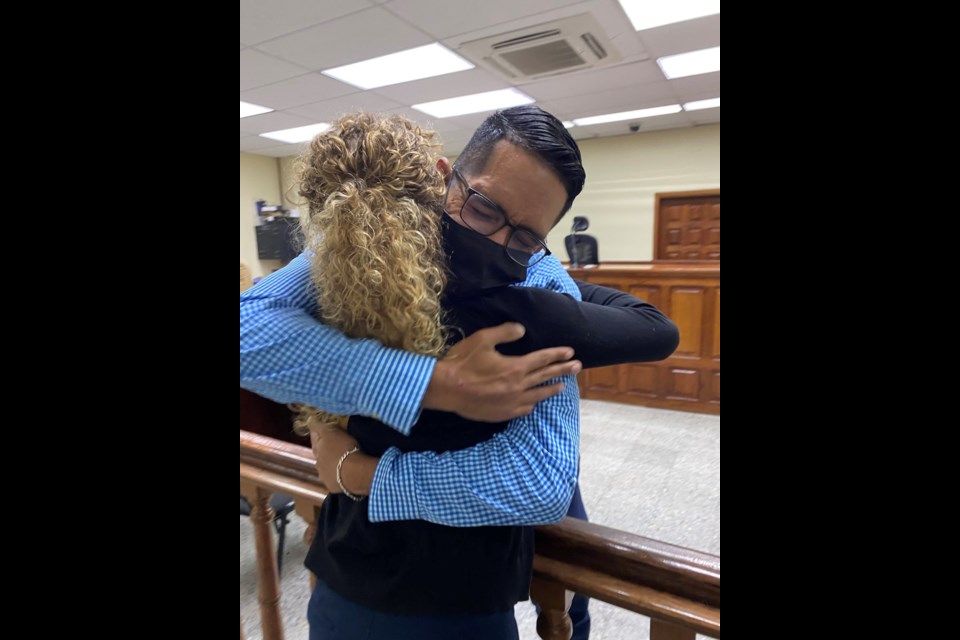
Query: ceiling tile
{"points": [[353, 38], [284, 150], [594, 80], [440, 125], [328, 110], [461, 83], [681, 37], [442, 19], [705, 116], [274, 121], [258, 69], [262, 20], [254, 143], [627, 98], [470, 121], [706, 85], [311, 87]]}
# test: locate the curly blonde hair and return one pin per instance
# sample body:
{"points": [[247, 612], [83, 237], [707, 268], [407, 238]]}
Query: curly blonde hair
{"points": [[375, 201]]}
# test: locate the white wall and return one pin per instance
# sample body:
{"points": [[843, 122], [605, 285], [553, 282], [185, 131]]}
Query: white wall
{"points": [[259, 180], [623, 175]]}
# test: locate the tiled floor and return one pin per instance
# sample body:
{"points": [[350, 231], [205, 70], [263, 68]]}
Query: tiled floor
{"points": [[648, 471]]}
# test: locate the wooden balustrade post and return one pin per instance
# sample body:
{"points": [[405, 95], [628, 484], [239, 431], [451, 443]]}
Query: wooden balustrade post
{"points": [[268, 578], [310, 514], [554, 621], [660, 630]]}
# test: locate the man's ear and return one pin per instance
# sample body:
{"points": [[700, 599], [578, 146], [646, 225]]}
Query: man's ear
{"points": [[445, 168]]}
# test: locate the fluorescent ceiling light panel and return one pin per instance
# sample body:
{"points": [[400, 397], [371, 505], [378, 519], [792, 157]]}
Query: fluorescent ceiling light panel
{"points": [[489, 101], [690, 64], [568, 125], [647, 15], [247, 109], [702, 104], [628, 115], [299, 134], [413, 64]]}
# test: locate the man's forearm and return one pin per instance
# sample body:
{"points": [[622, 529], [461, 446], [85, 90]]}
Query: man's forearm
{"points": [[524, 475], [287, 355], [346, 377]]}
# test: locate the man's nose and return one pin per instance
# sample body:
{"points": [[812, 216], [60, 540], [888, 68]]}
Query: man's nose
{"points": [[500, 237]]}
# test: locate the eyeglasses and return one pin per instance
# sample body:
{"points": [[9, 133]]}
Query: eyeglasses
{"points": [[485, 216]]}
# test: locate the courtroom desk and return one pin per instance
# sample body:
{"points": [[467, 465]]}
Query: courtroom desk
{"points": [[689, 294]]}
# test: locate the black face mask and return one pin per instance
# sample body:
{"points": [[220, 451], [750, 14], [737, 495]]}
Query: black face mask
{"points": [[476, 262]]}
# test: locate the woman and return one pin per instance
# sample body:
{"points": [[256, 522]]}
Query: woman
{"points": [[390, 263]]}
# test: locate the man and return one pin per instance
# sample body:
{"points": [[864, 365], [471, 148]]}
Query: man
{"points": [[525, 162]]}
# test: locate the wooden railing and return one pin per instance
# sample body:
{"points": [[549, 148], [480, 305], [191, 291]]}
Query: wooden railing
{"points": [[678, 588]]}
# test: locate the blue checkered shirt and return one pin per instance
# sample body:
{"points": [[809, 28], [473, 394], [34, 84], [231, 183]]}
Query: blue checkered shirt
{"points": [[525, 474]]}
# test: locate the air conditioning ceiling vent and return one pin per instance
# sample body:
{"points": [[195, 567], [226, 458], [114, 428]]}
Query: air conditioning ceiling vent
{"points": [[562, 46]]}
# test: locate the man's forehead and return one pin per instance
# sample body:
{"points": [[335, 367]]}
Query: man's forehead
{"points": [[527, 189]]}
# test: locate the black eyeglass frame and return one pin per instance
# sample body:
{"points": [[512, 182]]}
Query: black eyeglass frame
{"points": [[534, 258]]}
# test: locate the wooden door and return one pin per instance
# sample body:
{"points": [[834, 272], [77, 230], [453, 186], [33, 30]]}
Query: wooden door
{"points": [[688, 225]]}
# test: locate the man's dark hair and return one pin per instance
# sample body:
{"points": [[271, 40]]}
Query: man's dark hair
{"points": [[531, 128]]}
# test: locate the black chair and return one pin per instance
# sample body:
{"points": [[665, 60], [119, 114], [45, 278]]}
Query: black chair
{"points": [[582, 250], [282, 506]]}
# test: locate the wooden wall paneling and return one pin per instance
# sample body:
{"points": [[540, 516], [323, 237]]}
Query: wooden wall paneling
{"points": [[641, 380], [713, 232], [686, 310], [690, 295], [684, 384], [603, 380], [713, 388], [648, 293], [715, 325]]}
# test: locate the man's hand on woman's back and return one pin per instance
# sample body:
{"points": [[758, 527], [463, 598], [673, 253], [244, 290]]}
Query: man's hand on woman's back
{"points": [[476, 381]]}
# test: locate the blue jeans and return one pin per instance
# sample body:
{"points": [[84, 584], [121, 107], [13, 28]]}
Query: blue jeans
{"points": [[333, 617], [579, 614]]}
